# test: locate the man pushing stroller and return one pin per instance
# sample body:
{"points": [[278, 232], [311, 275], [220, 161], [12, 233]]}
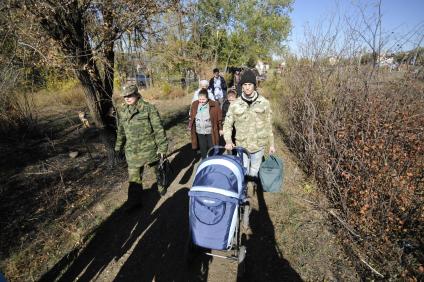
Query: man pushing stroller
{"points": [[219, 203], [251, 116]]}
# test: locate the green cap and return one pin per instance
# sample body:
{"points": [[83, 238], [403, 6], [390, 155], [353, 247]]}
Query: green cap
{"points": [[129, 89]]}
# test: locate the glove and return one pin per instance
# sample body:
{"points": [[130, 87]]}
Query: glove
{"points": [[119, 156]]}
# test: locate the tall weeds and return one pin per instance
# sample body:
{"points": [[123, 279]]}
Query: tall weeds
{"points": [[362, 139], [16, 111]]}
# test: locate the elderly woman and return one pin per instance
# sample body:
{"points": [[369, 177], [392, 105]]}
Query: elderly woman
{"points": [[203, 84], [205, 124]]}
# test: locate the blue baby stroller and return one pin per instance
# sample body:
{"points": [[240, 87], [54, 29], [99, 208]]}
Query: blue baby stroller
{"points": [[218, 204]]}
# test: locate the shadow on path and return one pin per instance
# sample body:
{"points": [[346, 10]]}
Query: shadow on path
{"points": [[110, 241], [172, 119], [264, 260], [186, 157], [160, 255]]}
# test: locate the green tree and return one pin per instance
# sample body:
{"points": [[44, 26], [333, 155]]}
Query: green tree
{"points": [[263, 25], [239, 30], [225, 32]]}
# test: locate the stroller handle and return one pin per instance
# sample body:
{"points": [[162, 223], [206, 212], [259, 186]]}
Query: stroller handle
{"points": [[219, 150]]}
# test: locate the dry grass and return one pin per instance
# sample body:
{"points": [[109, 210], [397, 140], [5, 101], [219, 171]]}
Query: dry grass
{"points": [[167, 94], [165, 91], [68, 97], [41, 251], [20, 112]]}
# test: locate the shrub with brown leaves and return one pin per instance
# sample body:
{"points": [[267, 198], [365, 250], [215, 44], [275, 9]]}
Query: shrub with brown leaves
{"points": [[363, 140]]}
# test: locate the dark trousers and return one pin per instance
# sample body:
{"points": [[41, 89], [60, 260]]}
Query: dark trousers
{"points": [[205, 143]]}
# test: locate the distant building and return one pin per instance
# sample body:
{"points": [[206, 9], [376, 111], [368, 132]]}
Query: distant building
{"points": [[280, 68], [262, 67], [383, 60], [387, 61], [333, 60]]}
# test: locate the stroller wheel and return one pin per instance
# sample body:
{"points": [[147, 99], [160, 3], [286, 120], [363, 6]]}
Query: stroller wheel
{"points": [[246, 215], [242, 254], [241, 261]]}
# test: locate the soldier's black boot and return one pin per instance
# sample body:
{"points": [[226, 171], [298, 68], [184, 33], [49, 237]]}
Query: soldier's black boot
{"points": [[134, 196]]}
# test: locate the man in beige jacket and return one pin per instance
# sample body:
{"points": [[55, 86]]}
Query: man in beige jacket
{"points": [[251, 116]]}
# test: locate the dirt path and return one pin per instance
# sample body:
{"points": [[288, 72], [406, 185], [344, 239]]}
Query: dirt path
{"points": [[289, 240]]}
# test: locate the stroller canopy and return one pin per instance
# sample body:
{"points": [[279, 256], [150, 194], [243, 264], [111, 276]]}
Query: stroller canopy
{"points": [[223, 175]]}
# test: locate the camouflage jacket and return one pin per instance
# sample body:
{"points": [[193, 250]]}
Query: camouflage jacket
{"points": [[253, 124], [141, 132]]}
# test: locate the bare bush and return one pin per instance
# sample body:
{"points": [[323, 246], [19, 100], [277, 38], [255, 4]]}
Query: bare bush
{"points": [[7, 105], [16, 109], [363, 142], [359, 131]]}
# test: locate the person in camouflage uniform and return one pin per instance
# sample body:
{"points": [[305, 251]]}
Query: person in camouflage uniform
{"points": [[141, 134], [251, 117]]}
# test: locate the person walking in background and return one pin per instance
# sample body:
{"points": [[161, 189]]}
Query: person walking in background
{"points": [[218, 86], [203, 84], [235, 82], [251, 116], [231, 97], [141, 134], [205, 124]]}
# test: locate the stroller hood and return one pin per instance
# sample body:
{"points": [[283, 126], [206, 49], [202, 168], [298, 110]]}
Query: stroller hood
{"points": [[222, 175]]}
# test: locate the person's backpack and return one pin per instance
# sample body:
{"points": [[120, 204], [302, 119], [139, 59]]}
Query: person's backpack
{"points": [[271, 174], [164, 172]]}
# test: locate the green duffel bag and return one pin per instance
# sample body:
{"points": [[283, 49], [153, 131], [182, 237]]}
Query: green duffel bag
{"points": [[271, 174]]}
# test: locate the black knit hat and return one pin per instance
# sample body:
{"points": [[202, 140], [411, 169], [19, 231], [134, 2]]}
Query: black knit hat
{"points": [[248, 76]]}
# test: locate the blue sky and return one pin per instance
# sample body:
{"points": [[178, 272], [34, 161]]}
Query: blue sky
{"points": [[398, 16]]}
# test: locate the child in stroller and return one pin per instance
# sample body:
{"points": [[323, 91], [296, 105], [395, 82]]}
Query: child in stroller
{"points": [[218, 204]]}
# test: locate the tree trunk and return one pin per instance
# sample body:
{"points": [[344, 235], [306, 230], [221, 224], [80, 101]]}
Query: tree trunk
{"points": [[69, 33], [99, 112], [109, 134], [109, 53]]}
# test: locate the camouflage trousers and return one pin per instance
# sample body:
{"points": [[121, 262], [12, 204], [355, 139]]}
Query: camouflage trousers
{"points": [[135, 173], [254, 163]]}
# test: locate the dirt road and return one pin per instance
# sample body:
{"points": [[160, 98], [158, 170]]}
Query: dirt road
{"points": [[150, 244]]}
